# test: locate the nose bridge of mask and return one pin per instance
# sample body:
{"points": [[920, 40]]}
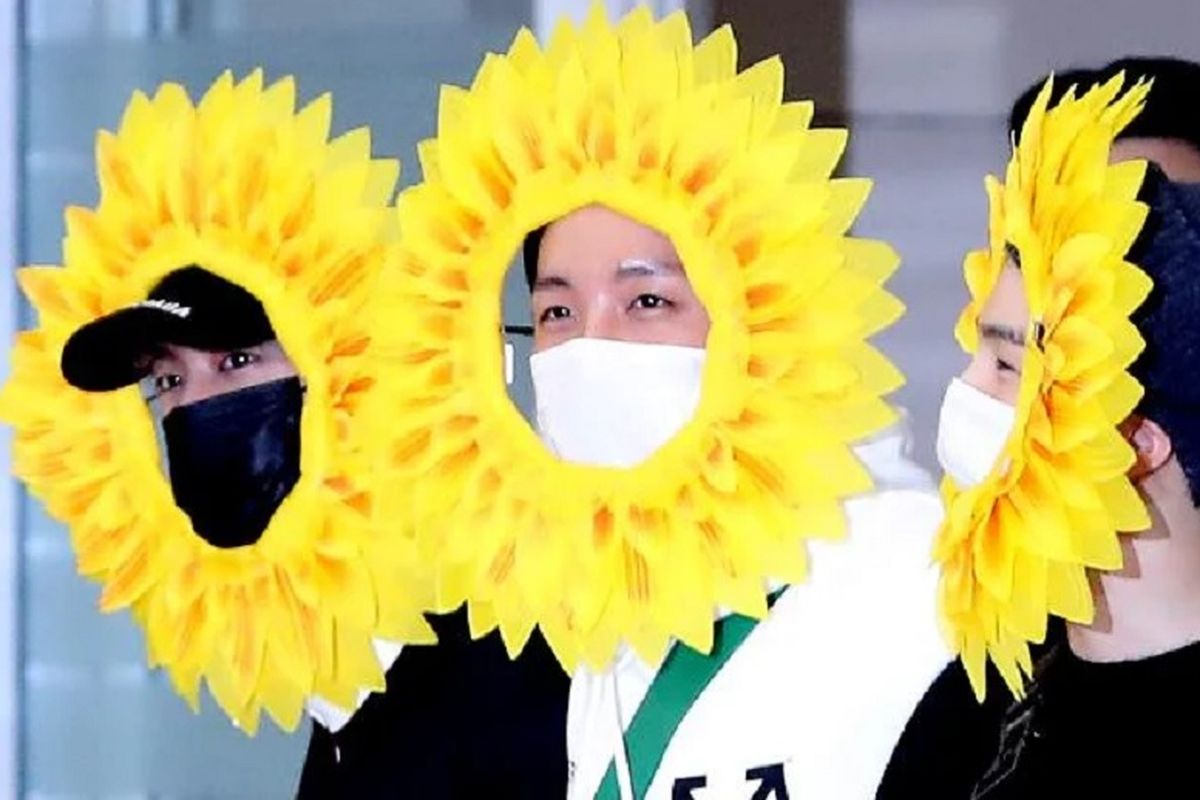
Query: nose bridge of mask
{"points": [[614, 403], [973, 429]]}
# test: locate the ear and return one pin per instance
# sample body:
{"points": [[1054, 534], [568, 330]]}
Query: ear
{"points": [[1151, 444]]}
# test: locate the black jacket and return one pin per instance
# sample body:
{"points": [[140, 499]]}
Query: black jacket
{"points": [[458, 720], [1117, 730]]}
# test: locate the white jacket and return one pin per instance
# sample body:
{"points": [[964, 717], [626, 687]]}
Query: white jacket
{"points": [[818, 693]]}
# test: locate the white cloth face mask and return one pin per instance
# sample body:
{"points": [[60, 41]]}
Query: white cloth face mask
{"points": [[972, 432], [610, 403]]}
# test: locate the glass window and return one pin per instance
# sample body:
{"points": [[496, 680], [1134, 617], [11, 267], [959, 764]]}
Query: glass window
{"points": [[95, 722]]}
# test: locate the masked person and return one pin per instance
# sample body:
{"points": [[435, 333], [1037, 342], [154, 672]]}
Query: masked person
{"points": [[229, 264], [230, 396], [1043, 414], [230, 267], [232, 401], [700, 376], [1166, 133]]}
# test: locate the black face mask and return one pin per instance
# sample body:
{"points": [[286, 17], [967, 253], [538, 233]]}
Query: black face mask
{"points": [[234, 458]]}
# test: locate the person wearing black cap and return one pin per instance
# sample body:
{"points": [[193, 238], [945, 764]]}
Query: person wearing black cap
{"points": [[1111, 705], [1167, 132], [230, 397], [459, 719], [254, 569]]}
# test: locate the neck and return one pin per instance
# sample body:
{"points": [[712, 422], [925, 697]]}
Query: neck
{"points": [[1152, 605]]}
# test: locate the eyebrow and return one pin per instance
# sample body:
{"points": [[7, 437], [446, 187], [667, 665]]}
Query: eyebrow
{"points": [[1003, 333], [551, 282], [629, 268], [640, 267]]}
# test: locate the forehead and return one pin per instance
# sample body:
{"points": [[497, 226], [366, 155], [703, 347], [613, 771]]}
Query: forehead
{"points": [[596, 236], [1007, 303], [179, 352]]}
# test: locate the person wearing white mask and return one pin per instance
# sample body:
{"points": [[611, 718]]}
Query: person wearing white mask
{"points": [[619, 339], [1101, 429], [743, 613]]}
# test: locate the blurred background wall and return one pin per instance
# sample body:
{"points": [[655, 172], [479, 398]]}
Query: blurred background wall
{"points": [[924, 85]]}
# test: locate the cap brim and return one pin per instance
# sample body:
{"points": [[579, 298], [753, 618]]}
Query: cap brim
{"points": [[115, 351], [118, 350]]}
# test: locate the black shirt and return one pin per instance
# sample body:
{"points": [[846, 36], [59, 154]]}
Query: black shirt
{"points": [[1125, 729], [458, 720]]}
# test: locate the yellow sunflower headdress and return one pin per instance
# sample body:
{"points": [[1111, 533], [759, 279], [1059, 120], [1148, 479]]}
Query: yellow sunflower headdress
{"points": [[636, 118], [255, 192], [1017, 547]]}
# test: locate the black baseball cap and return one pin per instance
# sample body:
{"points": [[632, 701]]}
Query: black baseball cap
{"points": [[190, 307]]}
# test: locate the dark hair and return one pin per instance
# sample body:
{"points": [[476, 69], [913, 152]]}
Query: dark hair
{"points": [[1172, 108], [529, 254], [1168, 250]]}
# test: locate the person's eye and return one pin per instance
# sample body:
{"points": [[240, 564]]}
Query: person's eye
{"points": [[554, 314], [238, 359], [648, 301], [1007, 366], [166, 382]]}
